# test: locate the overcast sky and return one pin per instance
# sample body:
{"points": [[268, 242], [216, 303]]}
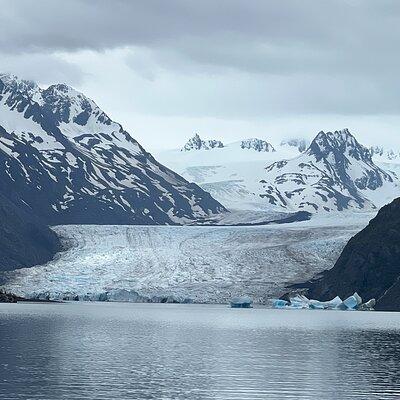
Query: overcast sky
{"points": [[227, 69]]}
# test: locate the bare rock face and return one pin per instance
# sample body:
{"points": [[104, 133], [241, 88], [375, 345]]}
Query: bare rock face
{"points": [[369, 264]]}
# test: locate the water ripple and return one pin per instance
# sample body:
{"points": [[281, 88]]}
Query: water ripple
{"points": [[133, 351]]}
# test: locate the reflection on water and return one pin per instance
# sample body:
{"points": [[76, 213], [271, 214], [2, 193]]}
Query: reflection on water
{"points": [[150, 351]]}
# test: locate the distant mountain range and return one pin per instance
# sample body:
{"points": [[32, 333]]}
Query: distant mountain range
{"points": [[231, 173], [64, 160], [332, 173], [196, 143]]}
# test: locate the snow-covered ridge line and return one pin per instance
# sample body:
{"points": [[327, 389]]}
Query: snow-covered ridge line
{"points": [[335, 173], [63, 157], [197, 143]]}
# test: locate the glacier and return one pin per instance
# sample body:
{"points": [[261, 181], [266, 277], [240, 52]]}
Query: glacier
{"points": [[203, 264]]}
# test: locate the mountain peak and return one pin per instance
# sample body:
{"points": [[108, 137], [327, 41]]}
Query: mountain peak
{"points": [[196, 143], [14, 80], [64, 102], [341, 136], [257, 144], [14, 83], [63, 90], [335, 173], [65, 160], [338, 144]]}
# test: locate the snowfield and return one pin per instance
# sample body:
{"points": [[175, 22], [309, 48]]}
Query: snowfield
{"points": [[332, 173], [231, 174], [200, 264]]}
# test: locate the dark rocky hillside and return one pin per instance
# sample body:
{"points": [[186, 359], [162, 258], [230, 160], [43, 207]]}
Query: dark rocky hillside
{"points": [[24, 240], [369, 264]]}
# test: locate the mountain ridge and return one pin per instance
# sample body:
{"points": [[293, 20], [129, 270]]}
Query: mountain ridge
{"points": [[335, 173], [70, 163]]}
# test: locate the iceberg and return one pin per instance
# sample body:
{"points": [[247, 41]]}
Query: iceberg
{"points": [[279, 303], [351, 303], [326, 305], [299, 301], [241, 302], [368, 306]]}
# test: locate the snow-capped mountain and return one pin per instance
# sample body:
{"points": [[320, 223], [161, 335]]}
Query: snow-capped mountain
{"points": [[65, 160], [231, 174], [335, 173], [257, 145], [196, 143]]}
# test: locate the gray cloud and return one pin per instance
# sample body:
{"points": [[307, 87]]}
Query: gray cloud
{"points": [[43, 68], [208, 31], [216, 59]]}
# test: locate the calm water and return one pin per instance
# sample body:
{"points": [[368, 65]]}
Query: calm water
{"points": [[151, 351]]}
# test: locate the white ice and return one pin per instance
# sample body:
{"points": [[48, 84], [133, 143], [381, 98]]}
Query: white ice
{"points": [[204, 264]]}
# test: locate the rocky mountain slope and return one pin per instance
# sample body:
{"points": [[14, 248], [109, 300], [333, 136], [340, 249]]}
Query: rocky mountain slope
{"points": [[66, 161], [24, 240], [334, 174], [369, 264]]}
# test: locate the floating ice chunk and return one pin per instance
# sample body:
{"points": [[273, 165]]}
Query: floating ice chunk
{"points": [[300, 301], [278, 303], [352, 302], [326, 305], [316, 305], [368, 306], [124, 295], [241, 302]]}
